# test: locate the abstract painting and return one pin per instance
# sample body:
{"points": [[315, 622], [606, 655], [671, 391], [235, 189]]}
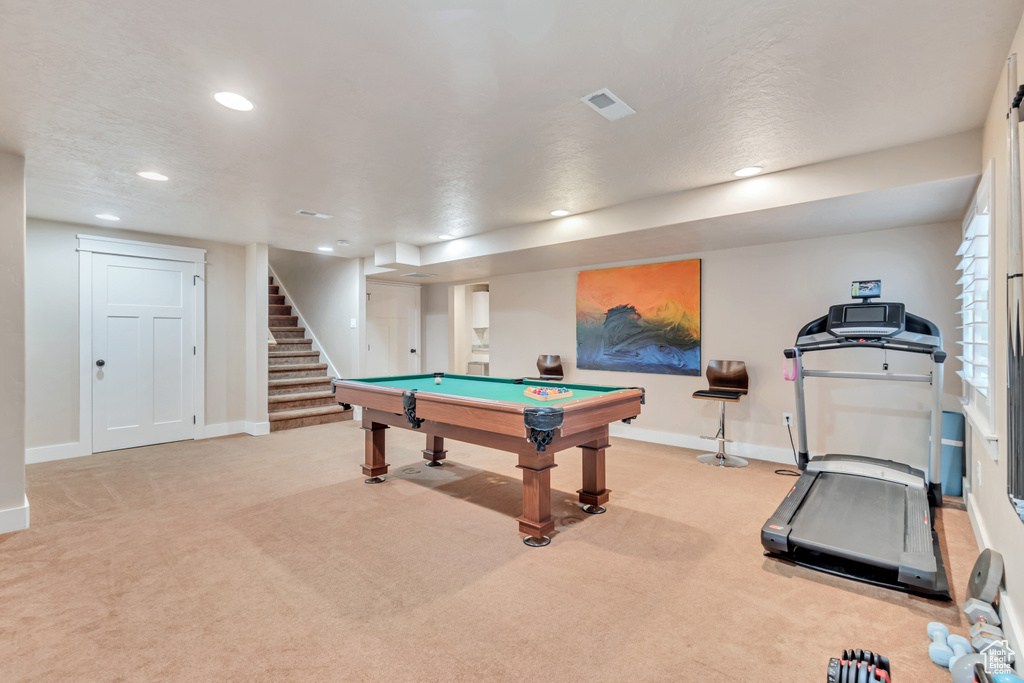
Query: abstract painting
{"points": [[640, 318]]}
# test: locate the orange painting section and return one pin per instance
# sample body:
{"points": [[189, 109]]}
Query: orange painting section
{"points": [[647, 288]]}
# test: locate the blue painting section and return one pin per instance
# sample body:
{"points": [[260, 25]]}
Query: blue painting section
{"points": [[625, 342]]}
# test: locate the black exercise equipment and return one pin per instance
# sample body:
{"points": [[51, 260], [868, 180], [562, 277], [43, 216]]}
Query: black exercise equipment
{"points": [[861, 517], [859, 666]]}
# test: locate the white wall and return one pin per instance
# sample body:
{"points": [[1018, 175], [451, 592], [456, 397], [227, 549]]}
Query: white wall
{"points": [[995, 522], [13, 504], [434, 338], [329, 292], [754, 301], [51, 397], [257, 300]]}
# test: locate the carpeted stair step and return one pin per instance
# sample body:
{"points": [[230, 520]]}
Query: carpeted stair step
{"points": [[287, 345], [277, 357], [298, 385], [276, 299], [274, 289], [307, 417], [283, 320], [298, 370], [270, 279], [295, 333], [280, 309], [312, 399]]}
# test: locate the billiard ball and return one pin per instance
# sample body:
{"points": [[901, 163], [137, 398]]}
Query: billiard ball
{"points": [[437, 380]]}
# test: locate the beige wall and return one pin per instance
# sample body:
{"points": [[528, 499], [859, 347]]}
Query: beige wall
{"points": [[327, 290], [51, 400], [754, 301], [996, 524], [13, 513]]}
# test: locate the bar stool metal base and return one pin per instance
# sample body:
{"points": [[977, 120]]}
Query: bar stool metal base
{"points": [[722, 460]]}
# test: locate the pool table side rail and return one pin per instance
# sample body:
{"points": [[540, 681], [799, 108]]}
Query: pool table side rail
{"points": [[487, 414]]}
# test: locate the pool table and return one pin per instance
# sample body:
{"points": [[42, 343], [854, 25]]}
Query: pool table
{"points": [[494, 412]]}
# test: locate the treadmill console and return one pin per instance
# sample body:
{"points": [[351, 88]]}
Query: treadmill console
{"points": [[866, 320]]}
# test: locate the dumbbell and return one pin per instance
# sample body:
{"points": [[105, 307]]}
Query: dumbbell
{"points": [[960, 646], [979, 610], [983, 634], [963, 668], [859, 666], [939, 651]]}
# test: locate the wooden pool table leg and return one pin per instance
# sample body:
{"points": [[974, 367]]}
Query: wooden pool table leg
{"points": [[434, 452], [375, 465], [536, 520], [594, 495]]}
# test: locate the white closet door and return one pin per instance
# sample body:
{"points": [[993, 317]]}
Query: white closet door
{"points": [[143, 351], [392, 329]]}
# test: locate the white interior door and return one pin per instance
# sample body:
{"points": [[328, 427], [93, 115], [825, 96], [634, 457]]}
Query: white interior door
{"points": [[143, 351], [392, 329]]}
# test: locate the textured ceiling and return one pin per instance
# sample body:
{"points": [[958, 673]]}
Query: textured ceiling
{"points": [[406, 119]]}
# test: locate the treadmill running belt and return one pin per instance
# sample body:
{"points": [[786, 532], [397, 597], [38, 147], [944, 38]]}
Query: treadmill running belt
{"points": [[852, 517]]}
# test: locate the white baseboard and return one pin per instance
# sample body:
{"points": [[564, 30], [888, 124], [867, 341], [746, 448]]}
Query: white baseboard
{"points": [[61, 451], [14, 519], [222, 429], [1011, 625], [752, 451], [257, 428]]}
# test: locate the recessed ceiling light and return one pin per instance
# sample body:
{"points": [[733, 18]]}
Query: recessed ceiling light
{"points": [[747, 172], [446, 237], [326, 248], [233, 101], [107, 217], [151, 175], [342, 243], [558, 213]]}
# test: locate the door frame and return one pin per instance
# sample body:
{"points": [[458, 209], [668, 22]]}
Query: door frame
{"points": [[92, 244], [417, 324]]}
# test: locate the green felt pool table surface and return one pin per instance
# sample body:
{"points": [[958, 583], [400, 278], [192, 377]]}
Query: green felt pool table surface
{"points": [[491, 388]]}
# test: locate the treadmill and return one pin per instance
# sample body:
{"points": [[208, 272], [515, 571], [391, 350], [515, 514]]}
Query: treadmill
{"points": [[865, 518]]}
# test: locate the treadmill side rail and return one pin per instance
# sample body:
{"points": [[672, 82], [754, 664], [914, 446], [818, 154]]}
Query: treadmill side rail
{"points": [[775, 532], [918, 566]]}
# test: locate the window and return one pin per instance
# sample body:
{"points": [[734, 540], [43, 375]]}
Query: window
{"points": [[975, 254]]}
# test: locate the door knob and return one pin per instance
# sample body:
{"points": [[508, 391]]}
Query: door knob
{"points": [[100, 363], [412, 350]]}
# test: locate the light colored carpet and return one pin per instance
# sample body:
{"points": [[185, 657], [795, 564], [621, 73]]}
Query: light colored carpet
{"points": [[268, 559]]}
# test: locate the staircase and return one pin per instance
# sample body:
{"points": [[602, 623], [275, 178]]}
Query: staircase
{"points": [[300, 390]]}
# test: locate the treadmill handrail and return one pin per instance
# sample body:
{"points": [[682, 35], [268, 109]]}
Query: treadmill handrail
{"points": [[889, 376], [936, 352]]}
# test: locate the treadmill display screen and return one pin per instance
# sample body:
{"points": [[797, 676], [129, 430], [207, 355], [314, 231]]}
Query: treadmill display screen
{"points": [[864, 314]]}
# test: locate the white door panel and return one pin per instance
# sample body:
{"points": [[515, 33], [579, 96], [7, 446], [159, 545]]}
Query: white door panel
{"points": [[392, 329], [143, 331]]}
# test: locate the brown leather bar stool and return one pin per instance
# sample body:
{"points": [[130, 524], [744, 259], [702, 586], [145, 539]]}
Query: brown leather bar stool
{"points": [[550, 367], [727, 381]]}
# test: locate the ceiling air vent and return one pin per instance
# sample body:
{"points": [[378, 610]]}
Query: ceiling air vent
{"points": [[314, 214], [418, 275], [605, 103]]}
